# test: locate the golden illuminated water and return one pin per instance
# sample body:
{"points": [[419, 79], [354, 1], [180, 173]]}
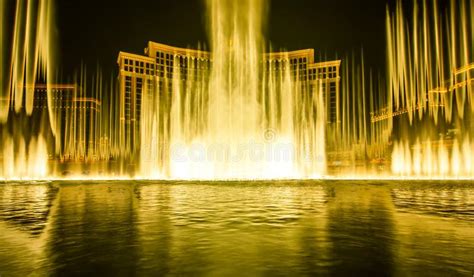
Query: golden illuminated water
{"points": [[240, 123], [28, 59], [246, 118], [44, 122], [431, 71], [226, 228]]}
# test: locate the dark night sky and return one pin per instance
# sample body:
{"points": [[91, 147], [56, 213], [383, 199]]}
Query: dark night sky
{"points": [[95, 31]]}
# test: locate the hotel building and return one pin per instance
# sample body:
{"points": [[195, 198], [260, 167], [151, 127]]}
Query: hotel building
{"points": [[138, 73], [74, 117]]}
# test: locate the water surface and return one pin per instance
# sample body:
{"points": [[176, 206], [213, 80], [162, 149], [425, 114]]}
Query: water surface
{"points": [[237, 228]]}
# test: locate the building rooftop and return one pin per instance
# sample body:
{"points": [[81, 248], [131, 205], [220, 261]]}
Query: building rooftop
{"points": [[154, 47]]}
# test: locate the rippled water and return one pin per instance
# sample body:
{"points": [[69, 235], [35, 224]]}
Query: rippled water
{"points": [[273, 228]]}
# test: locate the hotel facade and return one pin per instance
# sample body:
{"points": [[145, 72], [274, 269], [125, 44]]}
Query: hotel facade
{"points": [[75, 118], [161, 65]]}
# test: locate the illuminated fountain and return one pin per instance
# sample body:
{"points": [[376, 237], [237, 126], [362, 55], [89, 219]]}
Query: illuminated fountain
{"points": [[431, 138], [44, 124], [431, 107], [248, 120], [28, 60], [239, 112]]}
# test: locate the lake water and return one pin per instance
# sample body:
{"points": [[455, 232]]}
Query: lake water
{"points": [[237, 228]]}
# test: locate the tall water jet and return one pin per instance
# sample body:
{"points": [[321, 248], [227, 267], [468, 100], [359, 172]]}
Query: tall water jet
{"points": [[236, 117], [232, 113], [28, 60], [4, 95], [431, 68]]}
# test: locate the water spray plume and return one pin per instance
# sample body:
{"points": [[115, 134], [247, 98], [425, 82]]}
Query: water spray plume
{"points": [[430, 68], [242, 110]]}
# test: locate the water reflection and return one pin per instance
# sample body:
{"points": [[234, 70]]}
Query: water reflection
{"points": [[222, 228], [337, 228], [25, 211], [27, 206], [361, 230], [454, 199], [94, 230], [435, 228]]}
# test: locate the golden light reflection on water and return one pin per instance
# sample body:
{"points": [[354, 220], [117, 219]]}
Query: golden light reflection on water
{"points": [[223, 228]]}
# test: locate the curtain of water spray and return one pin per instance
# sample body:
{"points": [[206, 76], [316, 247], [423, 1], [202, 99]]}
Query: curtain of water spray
{"points": [[238, 113], [235, 116], [242, 115], [430, 66], [4, 95], [26, 61]]}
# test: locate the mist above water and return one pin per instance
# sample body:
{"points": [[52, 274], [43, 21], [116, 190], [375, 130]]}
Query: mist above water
{"points": [[246, 120], [245, 114]]}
